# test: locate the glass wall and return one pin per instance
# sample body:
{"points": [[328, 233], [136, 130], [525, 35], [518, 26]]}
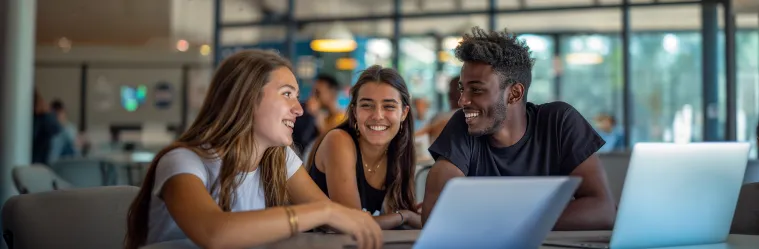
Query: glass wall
{"points": [[747, 51], [592, 74], [418, 66], [665, 79], [666, 87], [578, 59], [542, 88]]}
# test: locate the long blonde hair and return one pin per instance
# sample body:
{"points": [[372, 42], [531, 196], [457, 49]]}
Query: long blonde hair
{"points": [[223, 130]]}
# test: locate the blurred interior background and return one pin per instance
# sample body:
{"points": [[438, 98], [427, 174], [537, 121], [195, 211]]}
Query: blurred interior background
{"points": [[130, 75]]}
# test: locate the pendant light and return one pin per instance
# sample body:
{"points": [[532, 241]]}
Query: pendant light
{"points": [[337, 38]]}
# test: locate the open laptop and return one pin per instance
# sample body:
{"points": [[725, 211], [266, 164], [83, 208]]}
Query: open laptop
{"points": [[495, 212], [675, 195]]}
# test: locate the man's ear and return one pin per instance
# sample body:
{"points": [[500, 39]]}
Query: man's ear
{"points": [[516, 93]]}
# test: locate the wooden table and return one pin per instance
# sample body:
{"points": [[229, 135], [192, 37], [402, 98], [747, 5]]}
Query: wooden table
{"points": [[324, 241]]}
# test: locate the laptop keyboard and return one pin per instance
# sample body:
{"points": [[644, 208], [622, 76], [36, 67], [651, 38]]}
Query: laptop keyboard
{"points": [[599, 239]]}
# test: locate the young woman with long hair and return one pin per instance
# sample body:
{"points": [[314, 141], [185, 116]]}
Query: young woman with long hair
{"points": [[229, 180], [368, 162]]}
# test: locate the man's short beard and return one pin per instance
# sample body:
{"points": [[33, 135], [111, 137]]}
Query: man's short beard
{"points": [[497, 113]]}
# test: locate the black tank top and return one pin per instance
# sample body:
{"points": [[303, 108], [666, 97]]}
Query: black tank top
{"points": [[371, 198]]}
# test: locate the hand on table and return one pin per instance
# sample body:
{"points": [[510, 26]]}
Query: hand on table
{"points": [[412, 219], [360, 225]]}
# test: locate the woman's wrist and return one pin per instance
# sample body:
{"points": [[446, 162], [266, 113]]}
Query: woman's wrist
{"points": [[326, 211], [292, 218], [404, 217], [319, 212]]}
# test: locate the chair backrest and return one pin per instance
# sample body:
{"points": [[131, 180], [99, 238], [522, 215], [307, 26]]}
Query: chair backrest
{"points": [[37, 178], [746, 217], [752, 172], [615, 164], [75, 218], [85, 172], [421, 180]]}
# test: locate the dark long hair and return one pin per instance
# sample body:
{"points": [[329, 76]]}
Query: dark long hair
{"points": [[401, 154], [225, 125]]}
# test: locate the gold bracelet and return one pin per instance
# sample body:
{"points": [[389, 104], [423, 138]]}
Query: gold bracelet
{"points": [[293, 219], [403, 219]]}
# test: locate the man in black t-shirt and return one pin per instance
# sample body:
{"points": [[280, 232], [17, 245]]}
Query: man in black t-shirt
{"points": [[498, 133]]}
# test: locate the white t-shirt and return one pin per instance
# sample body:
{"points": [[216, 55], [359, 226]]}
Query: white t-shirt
{"points": [[250, 193]]}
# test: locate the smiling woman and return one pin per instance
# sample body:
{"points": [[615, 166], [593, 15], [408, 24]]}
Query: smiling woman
{"points": [[367, 162], [227, 182]]}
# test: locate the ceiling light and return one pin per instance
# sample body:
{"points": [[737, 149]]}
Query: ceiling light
{"points": [[183, 45], [671, 44], [337, 38], [205, 49], [65, 44], [584, 58]]}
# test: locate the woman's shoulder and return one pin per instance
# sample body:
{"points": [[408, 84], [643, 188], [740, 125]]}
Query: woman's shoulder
{"points": [[337, 144], [337, 136], [185, 155], [182, 152]]}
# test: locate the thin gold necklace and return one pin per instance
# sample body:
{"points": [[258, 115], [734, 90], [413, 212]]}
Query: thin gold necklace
{"points": [[370, 170]]}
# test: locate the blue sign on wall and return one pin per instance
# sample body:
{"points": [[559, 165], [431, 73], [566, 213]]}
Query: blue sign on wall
{"points": [[133, 97]]}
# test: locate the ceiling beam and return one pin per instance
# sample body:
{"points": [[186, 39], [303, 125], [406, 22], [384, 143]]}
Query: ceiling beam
{"points": [[407, 16]]}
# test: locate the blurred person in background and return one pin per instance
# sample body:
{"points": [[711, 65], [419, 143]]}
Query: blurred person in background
{"points": [[304, 132], [323, 104], [606, 126], [67, 142], [438, 122], [44, 129], [421, 109]]}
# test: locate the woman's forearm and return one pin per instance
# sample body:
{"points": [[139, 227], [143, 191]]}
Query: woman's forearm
{"points": [[389, 221], [247, 229]]}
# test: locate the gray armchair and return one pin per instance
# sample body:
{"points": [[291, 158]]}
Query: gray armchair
{"points": [[37, 178], [75, 218]]}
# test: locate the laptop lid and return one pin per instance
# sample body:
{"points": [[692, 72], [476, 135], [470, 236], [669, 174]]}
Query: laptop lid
{"points": [[679, 194], [496, 212]]}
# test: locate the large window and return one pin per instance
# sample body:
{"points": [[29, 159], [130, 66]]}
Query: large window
{"points": [[747, 48], [451, 67], [592, 75], [542, 88], [418, 64], [666, 79], [666, 84]]}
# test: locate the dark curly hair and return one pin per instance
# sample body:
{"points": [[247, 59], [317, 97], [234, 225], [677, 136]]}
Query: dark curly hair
{"points": [[509, 56]]}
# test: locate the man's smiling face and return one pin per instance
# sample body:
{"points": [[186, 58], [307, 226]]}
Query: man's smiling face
{"points": [[482, 99]]}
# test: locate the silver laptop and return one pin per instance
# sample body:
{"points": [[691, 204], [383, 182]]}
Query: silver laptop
{"points": [[495, 212], [675, 195]]}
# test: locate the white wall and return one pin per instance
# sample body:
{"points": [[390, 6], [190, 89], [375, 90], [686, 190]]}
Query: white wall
{"points": [[104, 88], [62, 83], [58, 76]]}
